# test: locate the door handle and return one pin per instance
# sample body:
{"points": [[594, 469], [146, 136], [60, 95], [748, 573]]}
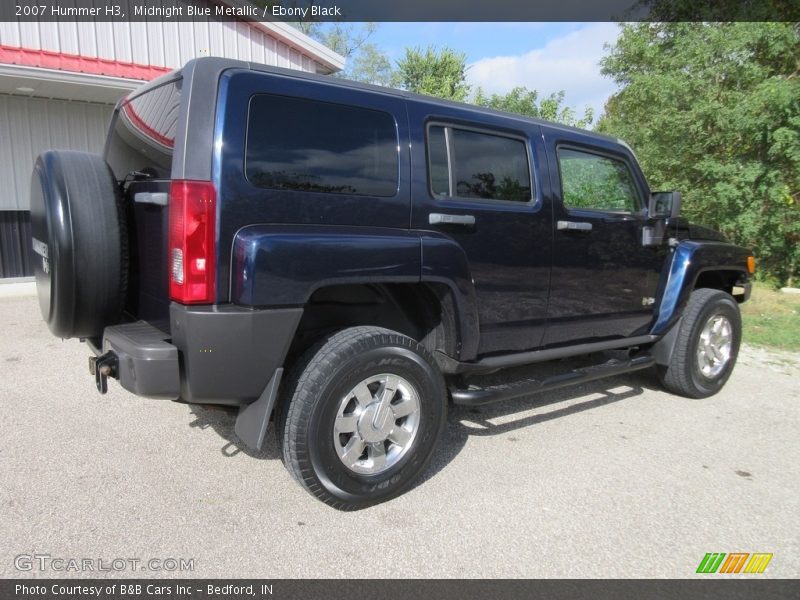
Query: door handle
{"points": [[443, 219], [573, 226]]}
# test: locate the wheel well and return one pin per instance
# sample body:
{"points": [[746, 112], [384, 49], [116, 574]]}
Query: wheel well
{"points": [[719, 280], [424, 312]]}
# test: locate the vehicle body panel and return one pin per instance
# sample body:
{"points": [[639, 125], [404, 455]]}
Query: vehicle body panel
{"points": [[282, 265], [444, 261], [520, 286], [603, 280], [509, 248], [689, 259], [241, 203]]}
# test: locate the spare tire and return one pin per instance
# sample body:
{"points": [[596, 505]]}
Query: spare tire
{"points": [[80, 240]]}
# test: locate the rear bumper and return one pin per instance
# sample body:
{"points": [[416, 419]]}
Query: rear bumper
{"points": [[228, 353], [214, 355], [148, 365]]}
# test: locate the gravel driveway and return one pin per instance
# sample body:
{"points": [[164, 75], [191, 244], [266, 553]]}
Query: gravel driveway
{"points": [[611, 479]]}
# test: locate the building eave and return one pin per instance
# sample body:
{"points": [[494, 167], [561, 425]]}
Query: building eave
{"points": [[294, 37], [64, 85]]}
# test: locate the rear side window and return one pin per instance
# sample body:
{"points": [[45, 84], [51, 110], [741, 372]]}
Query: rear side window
{"points": [[596, 182], [306, 145], [475, 164], [143, 137]]}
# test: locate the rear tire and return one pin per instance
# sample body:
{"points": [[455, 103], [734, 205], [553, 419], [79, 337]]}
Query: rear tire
{"points": [[79, 233], [360, 417], [706, 346]]}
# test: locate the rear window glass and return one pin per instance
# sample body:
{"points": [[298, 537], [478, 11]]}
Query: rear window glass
{"points": [[144, 131], [480, 165], [307, 145]]}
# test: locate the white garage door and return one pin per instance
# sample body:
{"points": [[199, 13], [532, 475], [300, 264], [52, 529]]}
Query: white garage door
{"points": [[29, 126]]}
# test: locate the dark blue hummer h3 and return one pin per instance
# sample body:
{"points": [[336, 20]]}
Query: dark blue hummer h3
{"points": [[348, 259]]}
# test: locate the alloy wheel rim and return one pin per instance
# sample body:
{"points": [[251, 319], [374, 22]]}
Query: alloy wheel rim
{"points": [[376, 423], [714, 346]]}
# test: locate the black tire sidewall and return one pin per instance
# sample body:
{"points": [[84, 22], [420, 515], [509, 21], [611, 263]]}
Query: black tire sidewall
{"points": [[77, 214], [328, 468], [724, 305], [49, 270]]}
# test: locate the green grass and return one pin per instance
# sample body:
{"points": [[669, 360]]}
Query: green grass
{"points": [[772, 319]]}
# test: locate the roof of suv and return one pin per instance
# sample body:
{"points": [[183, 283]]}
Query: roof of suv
{"points": [[222, 64]]}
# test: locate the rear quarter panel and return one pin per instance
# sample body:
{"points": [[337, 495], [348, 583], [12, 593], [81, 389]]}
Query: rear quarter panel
{"points": [[243, 205]]}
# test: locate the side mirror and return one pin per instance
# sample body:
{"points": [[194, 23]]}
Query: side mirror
{"points": [[664, 204]]}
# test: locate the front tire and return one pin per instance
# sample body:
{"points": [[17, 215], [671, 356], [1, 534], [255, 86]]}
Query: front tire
{"points": [[361, 416], [706, 346]]}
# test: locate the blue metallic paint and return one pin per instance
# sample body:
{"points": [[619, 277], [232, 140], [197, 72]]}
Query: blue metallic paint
{"points": [[689, 259], [282, 265], [444, 261], [509, 249], [521, 290], [243, 204], [510, 274], [601, 278]]}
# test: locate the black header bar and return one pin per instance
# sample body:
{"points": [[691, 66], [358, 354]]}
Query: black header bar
{"points": [[405, 589], [401, 10]]}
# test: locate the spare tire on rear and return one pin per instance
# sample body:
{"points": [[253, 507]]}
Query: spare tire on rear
{"points": [[80, 241]]}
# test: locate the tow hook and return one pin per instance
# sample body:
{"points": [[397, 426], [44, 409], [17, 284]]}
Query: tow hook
{"points": [[103, 367]]}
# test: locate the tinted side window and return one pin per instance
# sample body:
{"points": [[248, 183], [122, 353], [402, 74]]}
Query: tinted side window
{"points": [[484, 165], [144, 131], [596, 182], [299, 144]]}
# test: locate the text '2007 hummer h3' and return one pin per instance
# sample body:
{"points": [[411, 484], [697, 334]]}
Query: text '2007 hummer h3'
{"points": [[344, 260]]}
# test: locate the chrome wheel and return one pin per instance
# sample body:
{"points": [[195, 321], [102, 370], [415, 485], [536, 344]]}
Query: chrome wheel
{"points": [[376, 424], [714, 346]]}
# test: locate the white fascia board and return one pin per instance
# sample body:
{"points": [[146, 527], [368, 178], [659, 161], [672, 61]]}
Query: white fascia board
{"points": [[71, 85], [70, 76]]}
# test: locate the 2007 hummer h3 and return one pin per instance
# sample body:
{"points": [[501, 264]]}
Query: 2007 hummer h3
{"points": [[350, 258]]}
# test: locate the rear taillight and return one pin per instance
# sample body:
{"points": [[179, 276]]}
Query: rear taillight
{"points": [[192, 235]]}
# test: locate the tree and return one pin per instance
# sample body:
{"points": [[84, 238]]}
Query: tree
{"points": [[441, 73], [719, 10], [364, 60], [713, 110], [526, 102], [370, 65]]}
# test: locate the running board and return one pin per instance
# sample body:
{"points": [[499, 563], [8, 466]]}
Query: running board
{"points": [[450, 366], [477, 396]]}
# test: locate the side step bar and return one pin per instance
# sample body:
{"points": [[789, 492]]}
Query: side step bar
{"points": [[450, 366], [477, 396]]}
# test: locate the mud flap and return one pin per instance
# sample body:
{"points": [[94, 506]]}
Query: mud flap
{"points": [[662, 349], [253, 419]]}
